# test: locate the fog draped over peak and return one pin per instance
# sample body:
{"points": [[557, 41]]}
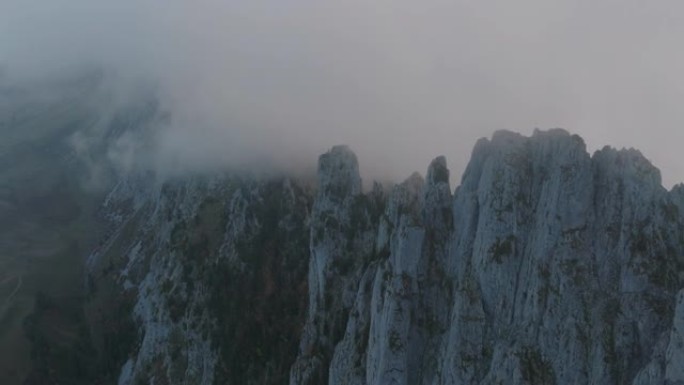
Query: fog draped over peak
{"points": [[399, 81]]}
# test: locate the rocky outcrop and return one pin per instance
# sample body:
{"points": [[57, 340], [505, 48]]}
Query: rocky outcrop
{"points": [[215, 271], [342, 240], [545, 266]]}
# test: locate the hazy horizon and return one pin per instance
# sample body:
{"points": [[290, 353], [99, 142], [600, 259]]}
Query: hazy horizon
{"points": [[399, 82]]}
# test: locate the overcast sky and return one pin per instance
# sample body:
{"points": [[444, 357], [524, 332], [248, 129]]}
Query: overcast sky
{"points": [[400, 81]]}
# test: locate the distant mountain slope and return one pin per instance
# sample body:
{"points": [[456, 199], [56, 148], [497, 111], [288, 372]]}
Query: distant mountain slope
{"points": [[50, 190]]}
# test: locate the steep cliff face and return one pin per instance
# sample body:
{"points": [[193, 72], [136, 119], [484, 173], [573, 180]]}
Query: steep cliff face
{"points": [[566, 264], [545, 266], [342, 244]]}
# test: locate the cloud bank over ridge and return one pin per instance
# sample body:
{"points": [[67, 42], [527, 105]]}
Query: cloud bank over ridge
{"points": [[399, 81]]}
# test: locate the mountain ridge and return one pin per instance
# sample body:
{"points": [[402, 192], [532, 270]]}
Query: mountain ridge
{"points": [[546, 265]]}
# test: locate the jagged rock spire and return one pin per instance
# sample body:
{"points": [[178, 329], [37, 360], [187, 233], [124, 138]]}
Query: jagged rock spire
{"points": [[338, 174]]}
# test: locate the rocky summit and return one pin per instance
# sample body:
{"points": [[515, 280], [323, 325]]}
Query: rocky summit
{"points": [[546, 265]]}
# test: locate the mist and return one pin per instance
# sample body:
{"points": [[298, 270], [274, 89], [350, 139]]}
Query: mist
{"points": [[399, 81]]}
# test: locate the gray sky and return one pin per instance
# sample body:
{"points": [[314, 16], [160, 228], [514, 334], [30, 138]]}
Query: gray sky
{"points": [[400, 81]]}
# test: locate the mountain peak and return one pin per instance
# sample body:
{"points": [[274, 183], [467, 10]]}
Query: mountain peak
{"points": [[438, 171], [630, 164], [338, 172]]}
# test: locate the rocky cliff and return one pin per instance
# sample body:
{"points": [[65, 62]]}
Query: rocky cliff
{"points": [[546, 265]]}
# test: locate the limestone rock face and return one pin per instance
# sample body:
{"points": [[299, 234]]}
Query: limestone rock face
{"points": [[342, 241], [546, 265]]}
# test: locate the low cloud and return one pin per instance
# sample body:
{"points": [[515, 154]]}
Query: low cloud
{"points": [[401, 82]]}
